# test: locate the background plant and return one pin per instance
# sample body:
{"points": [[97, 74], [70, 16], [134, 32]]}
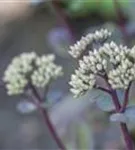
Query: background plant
{"points": [[115, 64], [27, 74]]}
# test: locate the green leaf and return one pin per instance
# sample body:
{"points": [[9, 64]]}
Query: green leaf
{"points": [[26, 107], [119, 117], [81, 7], [105, 103], [83, 136], [130, 113]]}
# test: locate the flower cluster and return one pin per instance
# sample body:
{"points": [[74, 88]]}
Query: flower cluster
{"points": [[29, 68], [77, 49], [46, 71], [117, 62], [84, 78], [123, 61], [124, 73], [114, 52]]}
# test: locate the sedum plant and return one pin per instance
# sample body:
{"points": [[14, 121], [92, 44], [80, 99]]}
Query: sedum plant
{"points": [[115, 64], [27, 74]]}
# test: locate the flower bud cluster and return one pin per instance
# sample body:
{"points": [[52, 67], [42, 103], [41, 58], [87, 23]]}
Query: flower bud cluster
{"points": [[123, 60], [30, 68], [120, 73], [46, 71], [85, 77], [78, 48], [123, 74], [114, 52]]}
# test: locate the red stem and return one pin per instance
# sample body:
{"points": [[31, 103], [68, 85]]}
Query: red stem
{"points": [[113, 94], [124, 129], [51, 128], [47, 119], [115, 100], [121, 20], [64, 18], [127, 137], [103, 89], [126, 98]]}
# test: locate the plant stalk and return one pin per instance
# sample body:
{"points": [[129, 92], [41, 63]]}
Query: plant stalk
{"points": [[118, 107], [51, 128], [123, 126], [64, 19], [46, 118], [127, 137], [121, 20], [126, 98]]}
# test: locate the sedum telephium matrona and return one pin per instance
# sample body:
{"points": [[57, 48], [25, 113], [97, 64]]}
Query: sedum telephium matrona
{"points": [[29, 68], [118, 58], [28, 73], [113, 63]]}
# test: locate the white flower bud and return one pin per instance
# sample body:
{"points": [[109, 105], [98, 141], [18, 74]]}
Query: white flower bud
{"points": [[29, 68]]}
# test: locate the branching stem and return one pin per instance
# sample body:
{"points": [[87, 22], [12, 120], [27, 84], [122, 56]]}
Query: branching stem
{"points": [[118, 107], [126, 98], [47, 120], [103, 89]]}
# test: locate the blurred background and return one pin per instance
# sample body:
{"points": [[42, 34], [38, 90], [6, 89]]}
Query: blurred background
{"points": [[50, 26]]}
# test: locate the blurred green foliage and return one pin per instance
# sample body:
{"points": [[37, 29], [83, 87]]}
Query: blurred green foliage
{"points": [[105, 8]]}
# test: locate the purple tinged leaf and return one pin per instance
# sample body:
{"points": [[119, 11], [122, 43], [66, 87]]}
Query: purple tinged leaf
{"points": [[130, 113], [105, 103], [25, 107], [119, 117]]}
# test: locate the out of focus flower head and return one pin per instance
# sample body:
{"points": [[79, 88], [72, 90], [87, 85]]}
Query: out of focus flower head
{"points": [[29, 68]]}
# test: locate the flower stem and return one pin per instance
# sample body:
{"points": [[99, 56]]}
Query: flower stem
{"points": [[46, 118], [103, 89], [64, 19], [126, 98], [124, 129], [127, 137], [123, 126], [121, 20], [118, 108], [51, 128]]}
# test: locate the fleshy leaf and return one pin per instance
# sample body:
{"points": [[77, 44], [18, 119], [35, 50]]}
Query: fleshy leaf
{"points": [[25, 107], [105, 103], [54, 96], [130, 113], [119, 117]]}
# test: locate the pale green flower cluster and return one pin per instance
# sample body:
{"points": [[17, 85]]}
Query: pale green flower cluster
{"points": [[115, 52], [78, 48], [29, 68], [85, 77], [115, 61], [124, 73], [46, 71]]}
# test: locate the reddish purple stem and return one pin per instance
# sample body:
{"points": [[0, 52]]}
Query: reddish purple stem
{"points": [[123, 126], [127, 137], [126, 98], [63, 18], [124, 129], [103, 89], [121, 20], [47, 119]]}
